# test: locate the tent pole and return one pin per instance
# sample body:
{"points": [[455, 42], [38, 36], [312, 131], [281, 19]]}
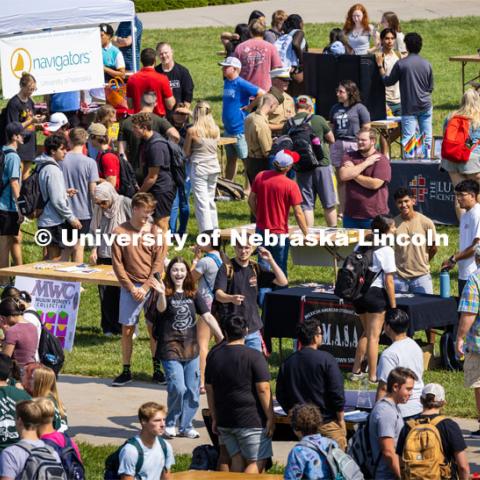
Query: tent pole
{"points": [[134, 46]]}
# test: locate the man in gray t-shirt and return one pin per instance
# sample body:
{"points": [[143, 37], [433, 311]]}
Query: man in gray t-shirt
{"points": [[386, 423]]}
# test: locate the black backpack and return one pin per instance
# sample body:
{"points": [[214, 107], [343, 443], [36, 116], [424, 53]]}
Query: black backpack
{"points": [[30, 201], [71, 463], [302, 136], [177, 162], [41, 463], [3, 154], [355, 276], [50, 351], [204, 457], [128, 180]]}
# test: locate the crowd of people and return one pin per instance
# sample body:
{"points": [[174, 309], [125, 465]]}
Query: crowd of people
{"points": [[139, 184]]}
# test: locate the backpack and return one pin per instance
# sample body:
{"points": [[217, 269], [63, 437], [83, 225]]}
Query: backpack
{"points": [[355, 276], [30, 201], [423, 456], [360, 450], [3, 155], [302, 136], [71, 463], [456, 140], [50, 351], [204, 457], [284, 142], [227, 188], [177, 161], [218, 263], [41, 464], [112, 463], [128, 180], [342, 465]]}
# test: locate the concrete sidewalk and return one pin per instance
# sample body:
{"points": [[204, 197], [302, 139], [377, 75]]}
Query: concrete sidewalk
{"points": [[100, 414], [312, 11]]}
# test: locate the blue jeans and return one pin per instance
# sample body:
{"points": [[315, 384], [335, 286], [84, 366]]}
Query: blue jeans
{"points": [[349, 222], [422, 284], [252, 340], [182, 204], [280, 255], [183, 387], [409, 128]]}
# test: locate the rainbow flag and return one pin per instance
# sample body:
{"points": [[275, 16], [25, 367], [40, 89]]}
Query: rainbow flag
{"points": [[419, 146], [410, 145]]}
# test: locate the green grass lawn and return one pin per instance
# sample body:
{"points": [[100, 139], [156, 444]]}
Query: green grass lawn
{"points": [[196, 48]]}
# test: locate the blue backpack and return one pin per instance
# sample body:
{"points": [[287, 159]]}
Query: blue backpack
{"points": [[71, 463]]}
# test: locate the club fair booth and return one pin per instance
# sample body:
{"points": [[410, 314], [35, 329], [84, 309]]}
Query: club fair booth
{"points": [[57, 42]]}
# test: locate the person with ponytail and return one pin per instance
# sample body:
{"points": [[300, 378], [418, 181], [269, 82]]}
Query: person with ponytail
{"points": [[21, 338]]}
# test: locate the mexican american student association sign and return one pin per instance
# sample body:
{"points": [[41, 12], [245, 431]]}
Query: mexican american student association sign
{"points": [[60, 60], [57, 304]]}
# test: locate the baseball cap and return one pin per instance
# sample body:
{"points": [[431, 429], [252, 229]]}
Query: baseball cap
{"points": [[285, 158], [106, 28], [57, 120], [15, 128], [283, 73], [304, 101], [436, 390], [97, 129], [231, 62]]}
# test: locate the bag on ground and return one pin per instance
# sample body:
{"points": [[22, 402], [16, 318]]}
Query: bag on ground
{"points": [[204, 457], [50, 351], [306, 143], [227, 188], [71, 463], [41, 464], [457, 145]]}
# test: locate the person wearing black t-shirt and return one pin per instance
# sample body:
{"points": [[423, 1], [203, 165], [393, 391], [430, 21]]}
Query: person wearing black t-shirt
{"points": [[311, 375], [453, 444], [175, 329], [180, 79], [240, 400], [237, 285]]}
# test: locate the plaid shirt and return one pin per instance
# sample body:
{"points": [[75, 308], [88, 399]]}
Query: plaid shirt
{"points": [[470, 303]]}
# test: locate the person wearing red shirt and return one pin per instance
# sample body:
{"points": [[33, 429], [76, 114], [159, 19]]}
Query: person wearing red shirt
{"points": [[108, 163], [272, 196], [148, 80]]}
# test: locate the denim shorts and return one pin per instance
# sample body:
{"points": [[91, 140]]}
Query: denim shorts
{"points": [[130, 309], [239, 149], [251, 443]]}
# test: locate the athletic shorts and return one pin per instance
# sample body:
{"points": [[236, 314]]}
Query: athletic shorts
{"points": [[9, 223], [164, 203], [251, 443], [130, 309], [56, 233], [317, 182], [374, 301]]}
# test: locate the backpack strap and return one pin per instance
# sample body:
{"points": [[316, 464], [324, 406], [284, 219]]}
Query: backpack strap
{"points": [[218, 262], [163, 444], [138, 466]]}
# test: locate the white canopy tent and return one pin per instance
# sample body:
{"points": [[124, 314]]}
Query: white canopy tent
{"points": [[25, 16]]}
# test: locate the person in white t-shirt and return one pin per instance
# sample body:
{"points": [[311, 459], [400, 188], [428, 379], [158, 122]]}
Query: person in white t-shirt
{"points": [[372, 305], [157, 453], [466, 192], [403, 352]]}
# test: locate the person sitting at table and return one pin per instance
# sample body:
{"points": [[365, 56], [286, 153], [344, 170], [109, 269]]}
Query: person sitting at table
{"points": [[466, 193], [237, 286], [366, 174], [20, 336], [305, 460], [110, 211], [313, 376], [372, 305], [469, 108], [403, 352], [237, 380]]}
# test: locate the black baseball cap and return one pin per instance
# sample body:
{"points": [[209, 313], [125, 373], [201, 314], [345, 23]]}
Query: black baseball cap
{"points": [[107, 29], [15, 128]]}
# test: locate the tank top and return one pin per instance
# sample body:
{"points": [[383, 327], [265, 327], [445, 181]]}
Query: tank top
{"points": [[284, 45], [360, 42], [204, 156]]}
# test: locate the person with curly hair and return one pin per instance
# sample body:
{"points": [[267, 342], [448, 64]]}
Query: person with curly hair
{"points": [[358, 30]]}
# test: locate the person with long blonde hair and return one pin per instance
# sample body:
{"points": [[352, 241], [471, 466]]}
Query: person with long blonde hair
{"points": [[459, 171], [358, 30], [201, 146]]}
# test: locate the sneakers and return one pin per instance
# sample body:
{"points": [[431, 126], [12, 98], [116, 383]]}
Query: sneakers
{"points": [[356, 377], [192, 433], [122, 379], [170, 432], [159, 377], [475, 434]]}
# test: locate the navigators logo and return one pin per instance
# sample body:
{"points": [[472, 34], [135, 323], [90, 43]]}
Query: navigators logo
{"points": [[418, 185], [20, 61]]}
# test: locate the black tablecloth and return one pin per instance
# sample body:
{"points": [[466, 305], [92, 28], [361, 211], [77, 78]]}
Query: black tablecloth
{"points": [[285, 308]]}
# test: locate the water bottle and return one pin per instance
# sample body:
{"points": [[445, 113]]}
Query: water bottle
{"points": [[445, 283], [363, 395]]}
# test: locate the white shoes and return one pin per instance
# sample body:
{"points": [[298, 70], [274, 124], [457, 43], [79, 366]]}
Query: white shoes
{"points": [[170, 432], [192, 433]]}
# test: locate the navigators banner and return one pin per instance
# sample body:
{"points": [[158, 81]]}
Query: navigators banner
{"points": [[61, 61]]}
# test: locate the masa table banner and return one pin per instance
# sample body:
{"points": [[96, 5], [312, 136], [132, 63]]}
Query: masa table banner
{"points": [[432, 188], [56, 303], [341, 327], [60, 60]]}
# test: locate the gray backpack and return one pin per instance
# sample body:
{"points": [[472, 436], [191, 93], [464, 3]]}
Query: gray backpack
{"points": [[41, 464]]}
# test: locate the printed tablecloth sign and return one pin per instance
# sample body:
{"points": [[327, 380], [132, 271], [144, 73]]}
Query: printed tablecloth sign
{"points": [[56, 303]]}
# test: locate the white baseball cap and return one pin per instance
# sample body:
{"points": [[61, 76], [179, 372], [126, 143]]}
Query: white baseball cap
{"points": [[231, 62], [57, 120], [285, 158], [436, 390]]}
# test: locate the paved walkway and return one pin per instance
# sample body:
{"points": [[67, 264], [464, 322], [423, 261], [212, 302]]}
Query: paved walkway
{"points": [[99, 414], [312, 11]]}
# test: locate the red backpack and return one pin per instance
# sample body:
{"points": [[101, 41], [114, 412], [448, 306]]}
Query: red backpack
{"points": [[456, 140]]}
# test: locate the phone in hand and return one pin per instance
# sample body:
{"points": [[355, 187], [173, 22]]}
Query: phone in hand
{"points": [[157, 276]]}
